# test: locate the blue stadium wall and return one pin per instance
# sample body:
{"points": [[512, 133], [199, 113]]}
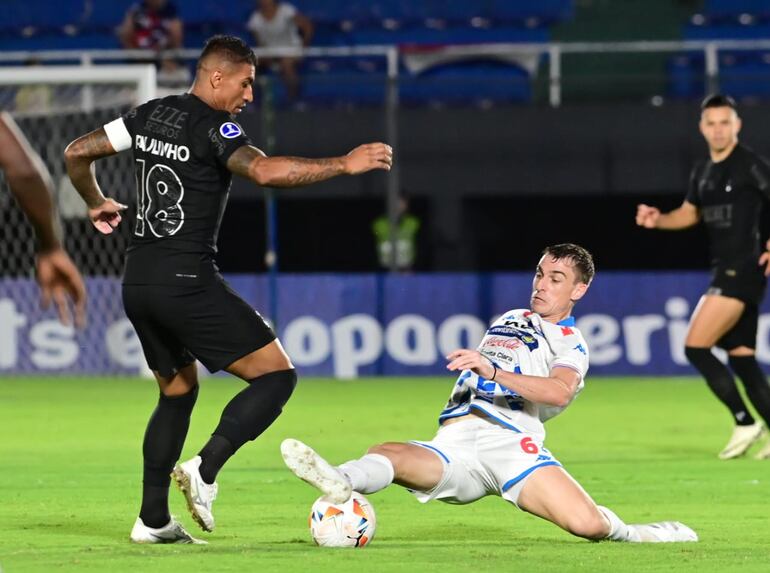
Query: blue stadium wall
{"points": [[369, 324]]}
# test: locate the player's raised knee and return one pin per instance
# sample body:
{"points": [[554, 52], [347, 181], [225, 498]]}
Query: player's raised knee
{"points": [[388, 449], [398, 453]]}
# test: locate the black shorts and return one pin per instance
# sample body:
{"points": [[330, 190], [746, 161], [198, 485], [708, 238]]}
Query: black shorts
{"points": [[178, 324], [747, 284], [744, 333]]}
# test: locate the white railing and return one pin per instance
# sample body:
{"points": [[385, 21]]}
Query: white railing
{"points": [[553, 52], [90, 57], [710, 49]]}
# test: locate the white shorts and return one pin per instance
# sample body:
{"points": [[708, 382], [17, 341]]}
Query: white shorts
{"points": [[483, 458]]}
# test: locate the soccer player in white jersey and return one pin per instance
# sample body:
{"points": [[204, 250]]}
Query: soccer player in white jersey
{"points": [[529, 366]]}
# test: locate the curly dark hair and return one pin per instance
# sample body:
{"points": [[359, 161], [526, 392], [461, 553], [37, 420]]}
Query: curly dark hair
{"points": [[231, 48], [580, 257]]}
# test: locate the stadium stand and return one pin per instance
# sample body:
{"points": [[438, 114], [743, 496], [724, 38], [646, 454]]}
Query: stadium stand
{"points": [[742, 73], [416, 27]]}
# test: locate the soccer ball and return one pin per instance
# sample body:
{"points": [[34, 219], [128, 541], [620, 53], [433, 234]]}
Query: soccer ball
{"points": [[349, 524]]}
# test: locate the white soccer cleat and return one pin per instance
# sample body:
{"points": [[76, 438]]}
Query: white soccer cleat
{"points": [[665, 532], [741, 440], [763, 453], [199, 495], [312, 468], [173, 532]]}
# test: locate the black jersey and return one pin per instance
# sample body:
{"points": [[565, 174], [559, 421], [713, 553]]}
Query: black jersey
{"points": [[181, 147], [730, 196]]}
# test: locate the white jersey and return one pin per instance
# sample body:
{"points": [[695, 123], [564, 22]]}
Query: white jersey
{"points": [[520, 341], [280, 30]]}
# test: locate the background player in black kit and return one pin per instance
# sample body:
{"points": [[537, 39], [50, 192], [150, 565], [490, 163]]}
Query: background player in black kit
{"points": [[728, 193], [186, 148]]}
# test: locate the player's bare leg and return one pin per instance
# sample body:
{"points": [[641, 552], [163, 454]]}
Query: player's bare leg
{"points": [[269, 358], [713, 317], [163, 442], [180, 383], [271, 378], [551, 493], [414, 467]]}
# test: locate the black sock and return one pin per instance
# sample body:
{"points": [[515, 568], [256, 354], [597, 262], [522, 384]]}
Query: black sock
{"points": [[154, 511], [721, 382], [214, 455], [163, 441], [245, 417], [754, 380]]}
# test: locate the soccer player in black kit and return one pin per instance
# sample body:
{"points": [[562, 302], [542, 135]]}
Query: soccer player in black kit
{"points": [[185, 149], [728, 192]]}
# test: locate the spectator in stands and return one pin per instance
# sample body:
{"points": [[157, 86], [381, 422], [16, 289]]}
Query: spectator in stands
{"points": [[153, 25], [279, 24], [406, 237], [33, 97]]}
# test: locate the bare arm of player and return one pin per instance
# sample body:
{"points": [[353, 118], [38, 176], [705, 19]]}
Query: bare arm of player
{"points": [[684, 216], [30, 183], [558, 389], [251, 163], [79, 158]]}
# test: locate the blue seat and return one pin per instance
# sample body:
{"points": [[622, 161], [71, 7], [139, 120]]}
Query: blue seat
{"points": [[46, 16], [109, 14], [208, 12], [686, 76], [58, 41], [521, 10], [452, 35], [344, 89], [739, 70], [731, 31], [724, 9], [469, 82], [746, 79], [742, 74], [329, 11]]}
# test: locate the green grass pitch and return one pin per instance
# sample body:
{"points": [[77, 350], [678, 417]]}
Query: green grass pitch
{"points": [[70, 473]]}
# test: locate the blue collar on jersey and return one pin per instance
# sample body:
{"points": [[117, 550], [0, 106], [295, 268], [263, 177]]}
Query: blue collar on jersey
{"points": [[569, 321]]}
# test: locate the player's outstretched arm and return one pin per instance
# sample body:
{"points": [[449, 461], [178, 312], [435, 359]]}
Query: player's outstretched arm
{"points": [[30, 183], [79, 158], [682, 217], [251, 163], [557, 389]]}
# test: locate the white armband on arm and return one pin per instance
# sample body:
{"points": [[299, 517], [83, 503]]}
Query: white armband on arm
{"points": [[118, 135]]}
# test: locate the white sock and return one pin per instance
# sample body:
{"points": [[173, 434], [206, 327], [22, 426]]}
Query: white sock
{"points": [[368, 474], [619, 531]]}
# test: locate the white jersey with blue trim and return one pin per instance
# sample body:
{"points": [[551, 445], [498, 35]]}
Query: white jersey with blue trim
{"points": [[522, 342]]}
